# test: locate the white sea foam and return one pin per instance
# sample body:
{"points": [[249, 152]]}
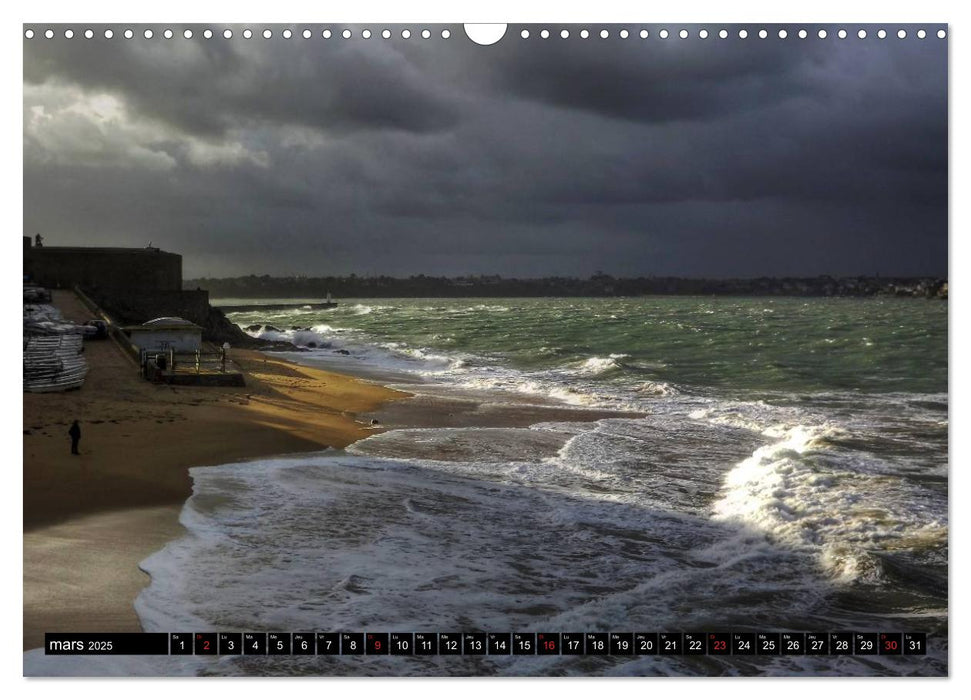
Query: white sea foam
{"points": [[311, 543], [365, 309], [594, 366], [656, 389], [788, 491], [432, 362], [562, 526], [313, 336]]}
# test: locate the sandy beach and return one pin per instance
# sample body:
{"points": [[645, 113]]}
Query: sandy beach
{"points": [[89, 519]]}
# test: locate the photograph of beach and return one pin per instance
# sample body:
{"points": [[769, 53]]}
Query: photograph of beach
{"points": [[373, 328]]}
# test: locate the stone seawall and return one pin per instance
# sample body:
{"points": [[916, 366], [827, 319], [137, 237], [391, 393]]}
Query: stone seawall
{"points": [[139, 306]]}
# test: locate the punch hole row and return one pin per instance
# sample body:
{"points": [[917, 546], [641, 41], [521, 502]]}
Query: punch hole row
{"points": [[725, 34], [446, 34], [245, 34]]}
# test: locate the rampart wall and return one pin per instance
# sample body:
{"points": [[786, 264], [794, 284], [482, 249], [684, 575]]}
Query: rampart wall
{"points": [[116, 269]]}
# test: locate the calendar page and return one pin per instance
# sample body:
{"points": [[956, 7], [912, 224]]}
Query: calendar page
{"points": [[421, 349]]}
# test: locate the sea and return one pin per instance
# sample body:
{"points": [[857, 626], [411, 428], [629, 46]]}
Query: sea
{"points": [[692, 464]]}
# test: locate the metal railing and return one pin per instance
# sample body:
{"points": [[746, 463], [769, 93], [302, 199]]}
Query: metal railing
{"points": [[170, 360], [199, 361]]}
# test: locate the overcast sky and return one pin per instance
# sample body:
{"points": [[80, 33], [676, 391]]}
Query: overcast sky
{"points": [[528, 158]]}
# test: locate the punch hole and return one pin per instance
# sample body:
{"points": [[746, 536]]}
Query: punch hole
{"points": [[821, 33], [683, 34], [545, 34], [168, 34], [228, 34], [841, 33], [763, 34], [783, 33], [129, 34], [624, 33], [486, 34], [425, 34], [247, 33], [267, 33], [525, 34], [68, 33], [287, 34], [663, 33], [187, 33], [386, 34], [29, 34], [109, 33], [446, 34], [307, 34], [584, 34], [366, 34], [902, 34], [644, 34], [326, 34], [742, 34], [703, 34], [346, 34], [921, 34], [803, 33], [405, 33], [941, 34], [861, 33], [723, 34], [882, 34], [604, 34], [564, 34], [49, 34]]}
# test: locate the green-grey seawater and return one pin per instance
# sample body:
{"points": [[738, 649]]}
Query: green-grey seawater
{"points": [[723, 345]]}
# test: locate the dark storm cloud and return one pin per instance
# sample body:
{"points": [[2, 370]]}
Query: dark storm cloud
{"points": [[715, 157], [666, 80], [208, 86]]}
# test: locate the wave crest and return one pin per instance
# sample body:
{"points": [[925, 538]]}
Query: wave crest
{"points": [[594, 366], [790, 491]]}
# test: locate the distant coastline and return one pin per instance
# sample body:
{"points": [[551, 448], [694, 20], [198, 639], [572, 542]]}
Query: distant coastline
{"points": [[353, 286]]}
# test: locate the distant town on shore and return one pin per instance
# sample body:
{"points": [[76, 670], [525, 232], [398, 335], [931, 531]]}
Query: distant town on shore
{"points": [[599, 285]]}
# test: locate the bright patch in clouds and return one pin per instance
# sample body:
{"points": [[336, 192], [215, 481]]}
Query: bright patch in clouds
{"points": [[64, 125]]}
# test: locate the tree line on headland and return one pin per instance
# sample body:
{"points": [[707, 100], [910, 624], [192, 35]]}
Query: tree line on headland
{"points": [[599, 285]]}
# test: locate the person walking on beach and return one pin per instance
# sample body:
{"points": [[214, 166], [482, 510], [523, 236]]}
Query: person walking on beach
{"points": [[75, 432]]}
